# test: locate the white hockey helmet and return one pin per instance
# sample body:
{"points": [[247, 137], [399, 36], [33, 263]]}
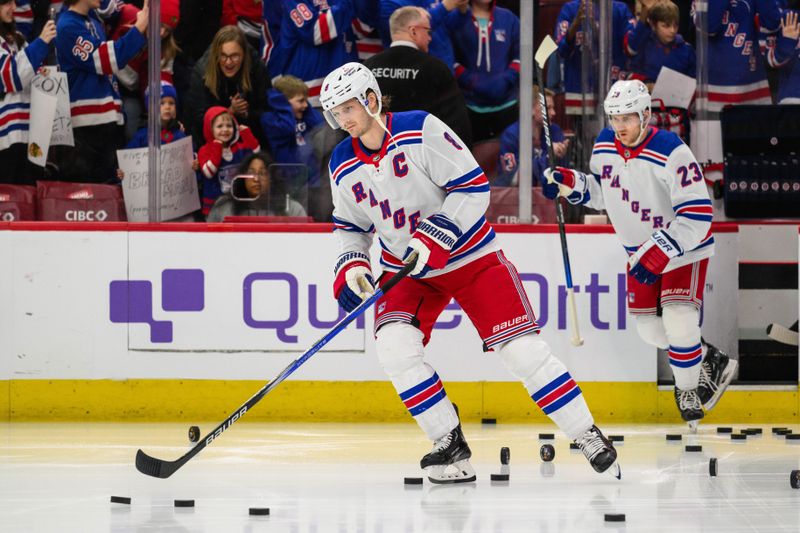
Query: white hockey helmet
{"points": [[351, 80], [627, 96]]}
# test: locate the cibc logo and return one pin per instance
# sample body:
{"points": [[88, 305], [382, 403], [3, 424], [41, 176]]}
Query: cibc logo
{"points": [[86, 216], [131, 301]]}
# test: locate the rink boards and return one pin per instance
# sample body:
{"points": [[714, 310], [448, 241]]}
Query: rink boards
{"points": [[163, 322]]}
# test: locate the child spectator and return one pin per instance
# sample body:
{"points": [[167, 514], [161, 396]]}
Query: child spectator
{"points": [[171, 129], [19, 64], [509, 148], [255, 193], [91, 63], [486, 45], [288, 128], [655, 42], [227, 144]]}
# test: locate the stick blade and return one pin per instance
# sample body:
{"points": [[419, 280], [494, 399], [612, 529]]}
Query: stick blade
{"points": [[153, 467], [545, 50]]}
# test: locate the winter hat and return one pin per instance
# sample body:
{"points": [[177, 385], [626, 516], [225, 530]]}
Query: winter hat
{"points": [[167, 91], [170, 13]]}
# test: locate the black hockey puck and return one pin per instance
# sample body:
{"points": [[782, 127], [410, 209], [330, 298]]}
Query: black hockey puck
{"points": [[194, 433], [783, 432], [259, 511], [547, 436], [412, 481], [547, 452], [184, 503], [794, 479], [793, 436], [121, 499], [694, 448], [574, 446], [499, 477], [738, 436], [724, 430], [616, 438], [673, 436], [505, 455], [614, 517], [777, 430], [712, 467], [488, 421], [751, 431]]}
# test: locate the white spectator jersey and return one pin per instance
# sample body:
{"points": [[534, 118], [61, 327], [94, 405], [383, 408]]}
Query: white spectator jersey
{"points": [[423, 170], [657, 185]]}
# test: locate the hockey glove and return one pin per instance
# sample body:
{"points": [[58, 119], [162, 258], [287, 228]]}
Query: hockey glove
{"points": [[433, 240], [353, 281], [652, 257], [572, 185]]}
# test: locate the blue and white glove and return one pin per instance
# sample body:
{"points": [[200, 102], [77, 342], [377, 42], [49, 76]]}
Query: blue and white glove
{"points": [[652, 257], [353, 281], [572, 185], [433, 240]]}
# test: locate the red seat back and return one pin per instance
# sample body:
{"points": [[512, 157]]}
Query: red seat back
{"points": [[504, 207], [17, 202], [80, 202]]}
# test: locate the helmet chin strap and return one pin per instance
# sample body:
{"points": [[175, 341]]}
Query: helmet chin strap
{"points": [[379, 120]]}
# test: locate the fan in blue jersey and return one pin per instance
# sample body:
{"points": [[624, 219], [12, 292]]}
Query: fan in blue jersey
{"points": [[409, 179], [653, 190]]}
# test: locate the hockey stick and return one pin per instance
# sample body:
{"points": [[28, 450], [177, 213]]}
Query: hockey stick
{"points": [[544, 52], [160, 468]]}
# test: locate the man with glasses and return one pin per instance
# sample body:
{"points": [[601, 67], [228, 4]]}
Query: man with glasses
{"points": [[413, 78]]}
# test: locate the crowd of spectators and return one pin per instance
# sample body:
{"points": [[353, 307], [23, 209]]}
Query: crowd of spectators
{"points": [[242, 78]]}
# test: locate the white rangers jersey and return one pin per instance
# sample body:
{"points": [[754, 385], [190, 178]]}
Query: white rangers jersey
{"points": [[423, 170], [657, 185]]}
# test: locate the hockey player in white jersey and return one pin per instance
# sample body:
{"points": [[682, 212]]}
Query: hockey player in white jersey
{"points": [[408, 178], [653, 190]]}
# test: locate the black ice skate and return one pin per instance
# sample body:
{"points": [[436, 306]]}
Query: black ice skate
{"points": [[716, 373], [690, 407], [599, 451], [448, 461]]}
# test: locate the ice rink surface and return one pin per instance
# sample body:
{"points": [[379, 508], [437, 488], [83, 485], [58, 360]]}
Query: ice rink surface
{"points": [[349, 477]]}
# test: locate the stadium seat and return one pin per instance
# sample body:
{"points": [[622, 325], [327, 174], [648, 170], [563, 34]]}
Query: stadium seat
{"points": [[80, 202], [17, 202], [504, 207], [486, 154]]}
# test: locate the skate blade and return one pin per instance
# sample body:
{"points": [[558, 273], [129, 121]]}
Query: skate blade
{"points": [[615, 471], [727, 377], [458, 472]]}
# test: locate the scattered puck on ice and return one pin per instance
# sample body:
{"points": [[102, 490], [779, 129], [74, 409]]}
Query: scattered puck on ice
{"points": [[194, 433], [546, 436], [724, 430], [784, 432], [547, 452], [738, 436], [574, 446], [488, 421], [674, 437], [794, 479], [694, 448], [712, 467], [121, 499], [793, 436], [412, 481], [614, 517], [616, 438], [778, 430], [751, 431], [756, 431], [259, 511], [184, 503], [505, 455], [499, 477]]}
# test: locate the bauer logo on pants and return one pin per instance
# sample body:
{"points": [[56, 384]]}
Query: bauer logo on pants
{"points": [[131, 301]]}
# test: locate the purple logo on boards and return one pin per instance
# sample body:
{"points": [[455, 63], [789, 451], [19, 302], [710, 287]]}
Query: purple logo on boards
{"points": [[131, 302]]}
